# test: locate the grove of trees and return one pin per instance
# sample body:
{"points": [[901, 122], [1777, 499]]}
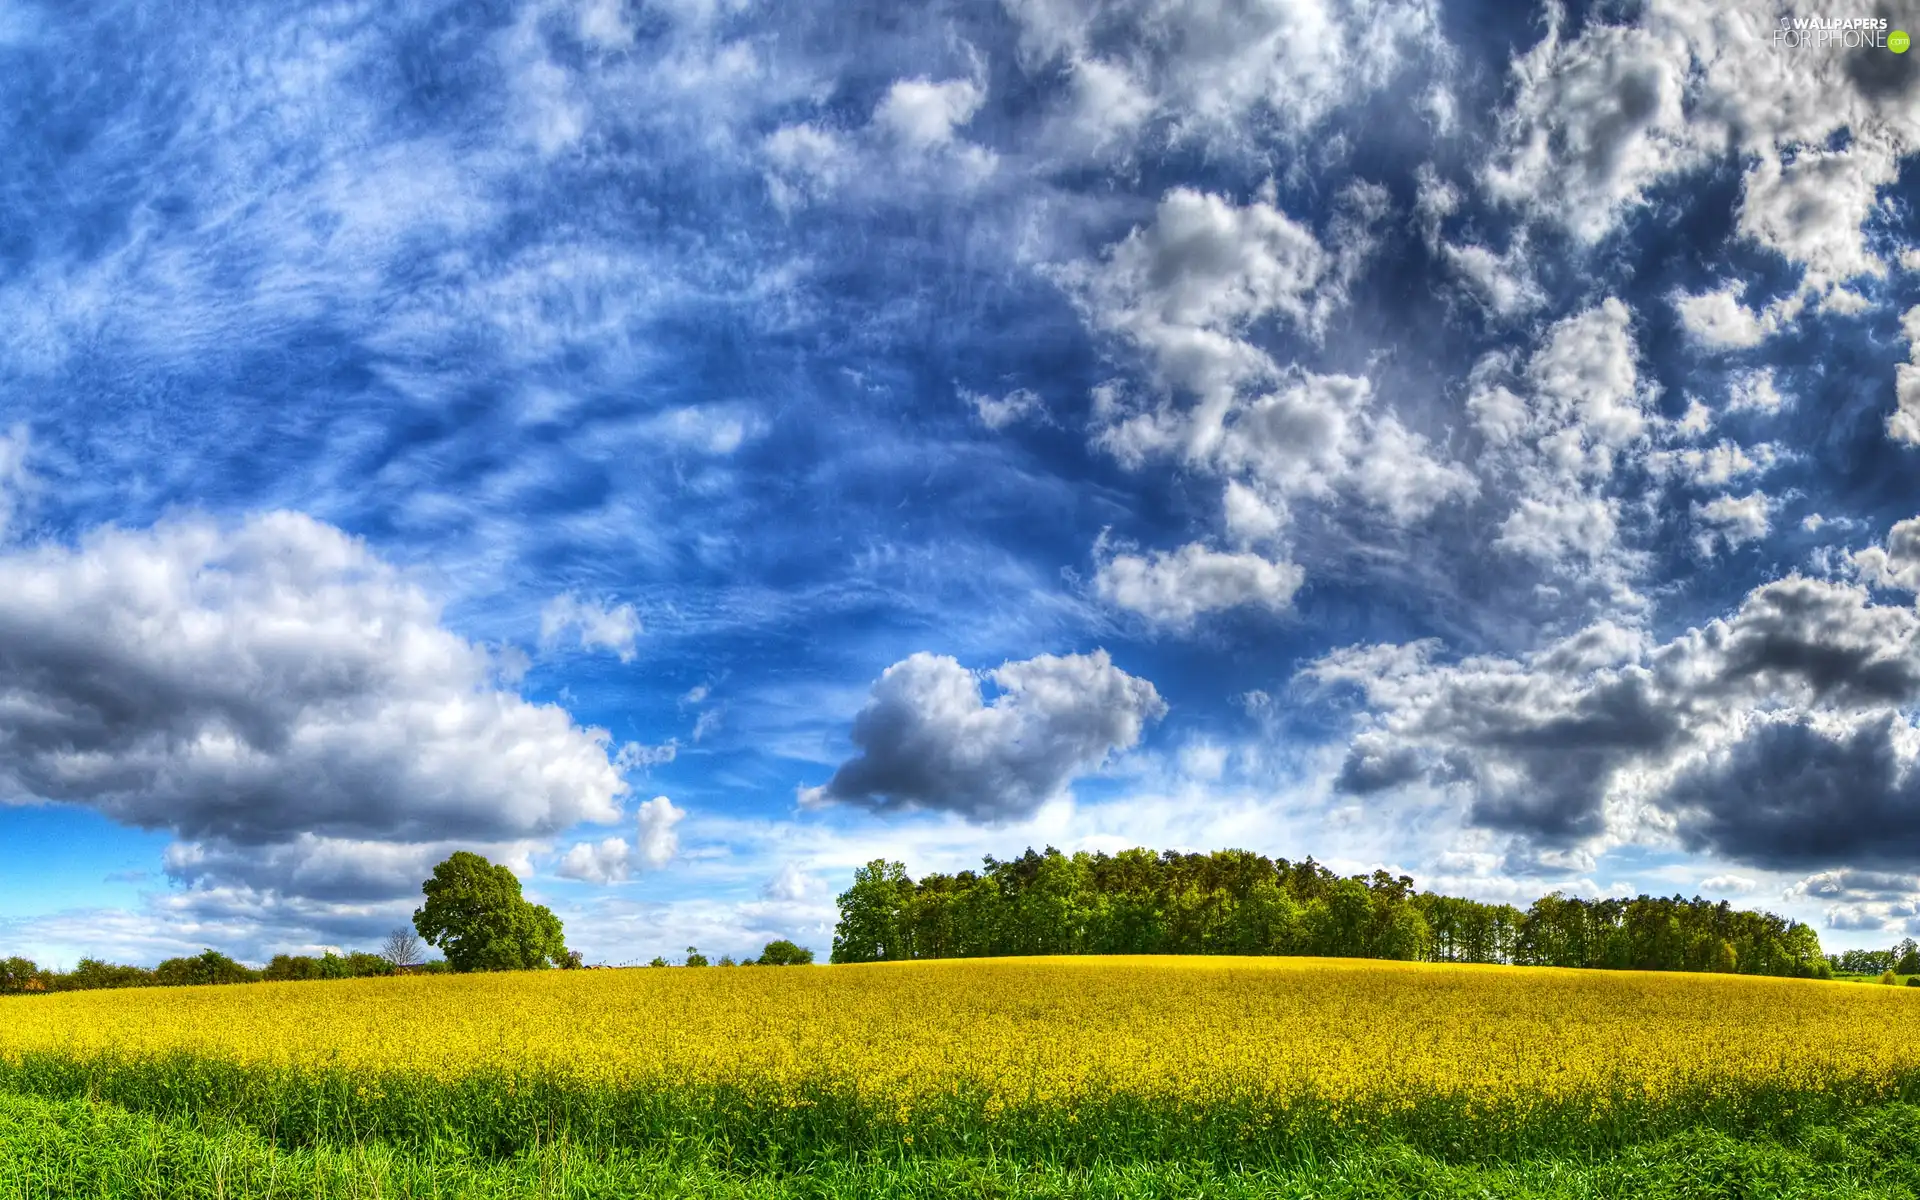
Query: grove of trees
{"points": [[1238, 902]]}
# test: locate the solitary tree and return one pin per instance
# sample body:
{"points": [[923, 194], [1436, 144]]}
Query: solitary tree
{"points": [[695, 958], [783, 953], [476, 915], [402, 949]]}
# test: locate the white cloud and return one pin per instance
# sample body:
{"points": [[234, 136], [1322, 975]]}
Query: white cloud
{"points": [[599, 626], [15, 481], [907, 149], [636, 756], [1713, 466], [1897, 564], [1594, 121], [999, 412], [658, 842], [928, 741], [1754, 391], [1556, 431], [924, 114], [606, 861], [793, 885], [1904, 424], [1732, 520], [1737, 885], [1719, 320], [1504, 283], [1599, 120], [1811, 208], [1174, 588], [1221, 74], [272, 691], [615, 859]]}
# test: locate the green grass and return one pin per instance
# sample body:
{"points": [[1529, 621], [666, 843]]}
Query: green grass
{"points": [[55, 1149], [498, 1117]]}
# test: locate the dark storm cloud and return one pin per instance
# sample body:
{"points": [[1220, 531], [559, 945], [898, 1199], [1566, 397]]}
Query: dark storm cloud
{"points": [[1775, 736], [928, 741], [1791, 795]]}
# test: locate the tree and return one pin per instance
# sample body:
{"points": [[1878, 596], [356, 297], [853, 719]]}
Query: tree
{"points": [[402, 949], [783, 953], [695, 958], [477, 917], [657, 961], [1906, 957], [209, 966], [20, 975], [870, 914]]}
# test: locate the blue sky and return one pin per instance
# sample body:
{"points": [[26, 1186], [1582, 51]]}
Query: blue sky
{"points": [[687, 449]]}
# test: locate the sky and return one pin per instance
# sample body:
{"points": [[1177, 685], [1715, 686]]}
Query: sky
{"points": [[685, 449]]}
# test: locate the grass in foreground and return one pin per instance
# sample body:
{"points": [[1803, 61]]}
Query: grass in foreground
{"points": [[1064, 1061], [51, 1150]]}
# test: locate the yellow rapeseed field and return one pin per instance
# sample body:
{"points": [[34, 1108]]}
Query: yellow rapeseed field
{"points": [[1189, 1031]]}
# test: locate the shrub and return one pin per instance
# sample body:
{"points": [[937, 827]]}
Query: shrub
{"points": [[783, 953]]}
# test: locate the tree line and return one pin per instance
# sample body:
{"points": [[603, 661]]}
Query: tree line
{"points": [[1239, 902], [474, 913], [1902, 959]]}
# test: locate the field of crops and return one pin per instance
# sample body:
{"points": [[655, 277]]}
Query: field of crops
{"points": [[1081, 1062]]}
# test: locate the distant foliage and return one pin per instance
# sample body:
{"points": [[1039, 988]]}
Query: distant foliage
{"points": [[783, 953], [1238, 902], [207, 967], [327, 966]]}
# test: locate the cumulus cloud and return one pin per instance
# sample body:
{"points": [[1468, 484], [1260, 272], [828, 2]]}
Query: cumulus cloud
{"points": [[598, 625], [1897, 564], [279, 698], [1223, 75], [1556, 431], [614, 859], [1904, 424], [922, 113], [908, 147], [1719, 321], [1190, 291], [1175, 588], [1594, 121], [1775, 736], [1598, 120], [1732, 521], [927, 739]]}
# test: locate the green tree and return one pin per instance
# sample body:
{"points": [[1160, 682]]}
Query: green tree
{"points": [[20, 975], [207, 967], [783, 953], [695, 958], [871, 912], [1906, 957], [477, 917]]}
